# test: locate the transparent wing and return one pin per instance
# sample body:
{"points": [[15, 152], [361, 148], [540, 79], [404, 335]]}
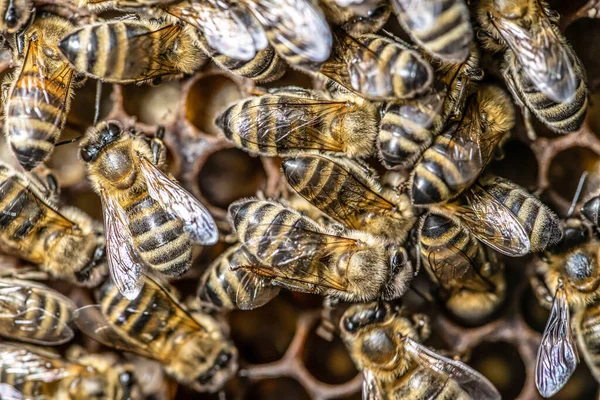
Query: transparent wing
{"points": [[229, 29], [472, 382], [28, 365], [8, 392], [493, 223], [198, 222], [127, 269], [297, 25], [557, 355], [29, 312], [542, 56], [253, 290], [371, 390]]}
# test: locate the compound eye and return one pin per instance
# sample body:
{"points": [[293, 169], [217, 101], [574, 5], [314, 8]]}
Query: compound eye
{"points": [[350, 325], [86, 155], [114, 130], [380, 314]]}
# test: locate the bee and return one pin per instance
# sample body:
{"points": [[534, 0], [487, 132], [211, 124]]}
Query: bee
{"points": [[377, 67], [407, 127], [385, 345], [465, 147], [543, 72], [351, 194], [149, 219], [299, 254], [585, 323], [469, 274], [226, 285], [39, 97], [566, 276], [192, 349], [131, 50], [357, 17], [441, 27], [15, 14], [65, 242], [34, 313], [29, 372], [292, 121]]}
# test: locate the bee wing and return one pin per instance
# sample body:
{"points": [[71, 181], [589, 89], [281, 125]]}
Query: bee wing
{"points": [[127, 269], [452, 267], [557, 355], [297, 25], [227, 29], [493, 223], [282, 119], [371, 389], [295, 255], [542, 56], [31, 365], [253, 290], [32, 319], [476, 385], [8, 392], [198, 222]]}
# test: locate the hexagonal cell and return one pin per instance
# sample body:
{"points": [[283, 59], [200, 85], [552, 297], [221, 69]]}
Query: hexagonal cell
{"points": [[277, 389], [208, 97], [568, 166], [519, 164], [83, 105], [153, 105], [329, 362], [501, 363], [534, 314], [584, 34], [263, 335], [229, 175]]}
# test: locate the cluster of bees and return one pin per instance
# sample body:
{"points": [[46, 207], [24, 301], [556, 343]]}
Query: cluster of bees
{"points": [[424, 109]]}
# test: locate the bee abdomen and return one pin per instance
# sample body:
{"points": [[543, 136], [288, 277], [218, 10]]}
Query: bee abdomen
{"points": [[15, 203], [266, 66], [437, 229], [423, 383]]}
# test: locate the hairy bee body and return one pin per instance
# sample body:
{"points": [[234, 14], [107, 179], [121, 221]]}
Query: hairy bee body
{"points": [[125, 51], [288, 122], [225, 288], [356, 19], [40, 94], [301, 255], [586, 323], [67, 243], [15, 14], [540, 223], [377, 67], [458, 155]]}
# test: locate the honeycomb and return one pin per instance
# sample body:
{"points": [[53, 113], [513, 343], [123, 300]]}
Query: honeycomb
{"points": [[282, 354]]}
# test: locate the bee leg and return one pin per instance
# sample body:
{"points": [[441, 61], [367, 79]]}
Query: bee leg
{"points": [[422, 325], [326, 328], [20, 36], [157, 145], [541, 291]]}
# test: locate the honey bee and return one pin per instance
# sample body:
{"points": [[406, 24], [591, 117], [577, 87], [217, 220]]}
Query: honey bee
{"points": [[34, 313], [29, 372], [469, 274], [442, 28], [465, 147], [377, 67], [40, 93], [131, 50], [299, 254], [15, 14], [407, 127], [292, 121], [543, 72], [357, 17], [226, 285], [149, 219], [350, 193], [385, 345], [192, 349], [64, 242]]}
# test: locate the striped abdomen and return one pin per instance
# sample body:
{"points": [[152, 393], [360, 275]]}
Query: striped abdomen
{"points": [[20, 379], [407, 128], [540, 223], [158, 236], [441, 27], [589, 336], [424, 383], [559, 117], [266, 66]]}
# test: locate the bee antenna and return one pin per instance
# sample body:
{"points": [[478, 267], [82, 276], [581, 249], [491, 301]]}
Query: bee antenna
{"points": [[97, 101], [577, 193], [77, 139]]}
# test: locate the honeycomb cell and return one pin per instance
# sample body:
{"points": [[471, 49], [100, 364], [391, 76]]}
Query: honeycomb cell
{"points": [[229, 175], [153, 105], [277, 389], [83, 106], [534, 314], [518, 164], [208, 96], [329, 362], [566, 169]]}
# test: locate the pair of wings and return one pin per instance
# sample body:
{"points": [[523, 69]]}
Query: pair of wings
{"points": [[353, 199], [557, 356], [127, 268], [300, 118], [231, 30], [164, 308], [30, 320], [472, 382], [543, 55]]}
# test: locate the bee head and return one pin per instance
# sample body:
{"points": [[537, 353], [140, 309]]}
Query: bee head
{"points": [[97, 138], [127, 384], [591, 210], [401, 273], [360, 316]]}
